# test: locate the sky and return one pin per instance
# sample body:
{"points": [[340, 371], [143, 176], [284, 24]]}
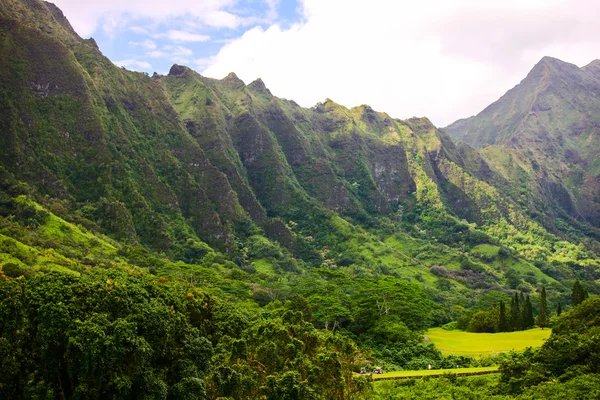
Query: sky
{"points": [[441, 59]]}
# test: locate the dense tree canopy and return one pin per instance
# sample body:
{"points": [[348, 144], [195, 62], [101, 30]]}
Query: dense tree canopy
{"points": [[124, 333]]}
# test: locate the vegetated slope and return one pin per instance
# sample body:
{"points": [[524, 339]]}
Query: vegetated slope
{"points": [[543, 135], [171, 161]]}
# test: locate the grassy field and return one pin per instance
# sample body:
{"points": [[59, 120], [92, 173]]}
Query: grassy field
{"points": [[422, 373], [480, 344]]}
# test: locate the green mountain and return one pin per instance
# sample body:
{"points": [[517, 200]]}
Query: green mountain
{"points": [[297, 223], [182, 163], [545, 133]]}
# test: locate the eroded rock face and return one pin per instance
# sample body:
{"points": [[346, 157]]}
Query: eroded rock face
{"points": [[391, 175]]}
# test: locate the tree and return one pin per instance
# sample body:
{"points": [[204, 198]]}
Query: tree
{"points": [[558, 310], [579, 319], [542, 319], [287, 386], [529, 320], [524, 312], [579, 293], [515, 314], [484, 322], [513, 279], [502, 322], [379, 298], [329, 311]]}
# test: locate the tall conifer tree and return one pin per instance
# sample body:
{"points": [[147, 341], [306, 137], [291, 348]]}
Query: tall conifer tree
{"points": [[502, 323], [529, 320], [542, 319], [523, 310], [515, 313]]}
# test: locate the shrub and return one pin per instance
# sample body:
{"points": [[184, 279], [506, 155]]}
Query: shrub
{"points": [[14, 270], [450, 326]]}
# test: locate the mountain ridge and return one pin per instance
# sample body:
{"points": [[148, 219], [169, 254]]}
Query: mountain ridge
{"points": [[177, 162]]}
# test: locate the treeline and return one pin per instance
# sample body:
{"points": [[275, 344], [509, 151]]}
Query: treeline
{"points": [[518, 316]]}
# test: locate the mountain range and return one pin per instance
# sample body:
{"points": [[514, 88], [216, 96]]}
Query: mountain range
{"points": [[180, 165]]}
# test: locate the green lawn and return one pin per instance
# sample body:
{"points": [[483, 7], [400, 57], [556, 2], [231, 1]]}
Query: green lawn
{"points": [[479, 344], [403, 374]]}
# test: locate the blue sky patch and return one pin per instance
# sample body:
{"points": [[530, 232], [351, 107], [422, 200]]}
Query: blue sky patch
{"points": [[143, 44]]}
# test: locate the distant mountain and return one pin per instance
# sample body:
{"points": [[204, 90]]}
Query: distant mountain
{"points": [[547, 128]]}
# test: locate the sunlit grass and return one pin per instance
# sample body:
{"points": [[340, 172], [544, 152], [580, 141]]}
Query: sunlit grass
{"points": [[480, 344], [422, 373]]}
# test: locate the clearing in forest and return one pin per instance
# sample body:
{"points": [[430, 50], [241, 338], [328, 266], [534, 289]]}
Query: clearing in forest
{"points": [[470, 344], [434, 373]]}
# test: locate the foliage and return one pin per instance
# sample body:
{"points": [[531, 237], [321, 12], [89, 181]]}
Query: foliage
{"points": [[542, 318], [124, 333], [569, 353], [579, 293]]}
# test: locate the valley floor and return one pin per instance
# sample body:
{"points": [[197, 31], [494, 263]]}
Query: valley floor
{"points": [[469, 344], [435, 373]]}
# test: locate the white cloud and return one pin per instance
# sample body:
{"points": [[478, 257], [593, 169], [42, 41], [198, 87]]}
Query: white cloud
{"points": [[158, 54], [222, 19], [87, 15], [202, 63], [146, 44], [139, 30], [135, 65], [175, 54], [435, 58], [182, 36], [179, 50]]}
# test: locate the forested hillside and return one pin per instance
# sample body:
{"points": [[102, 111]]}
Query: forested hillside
{"points": [[233, 244]]}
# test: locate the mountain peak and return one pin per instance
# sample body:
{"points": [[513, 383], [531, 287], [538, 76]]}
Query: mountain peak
{"points": [[258, 86], [233, 80], [551, 64], [550, 60], [552, 71], [595, 63], [421, 122], [177, 70], [92, 42], [60, 18]]}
